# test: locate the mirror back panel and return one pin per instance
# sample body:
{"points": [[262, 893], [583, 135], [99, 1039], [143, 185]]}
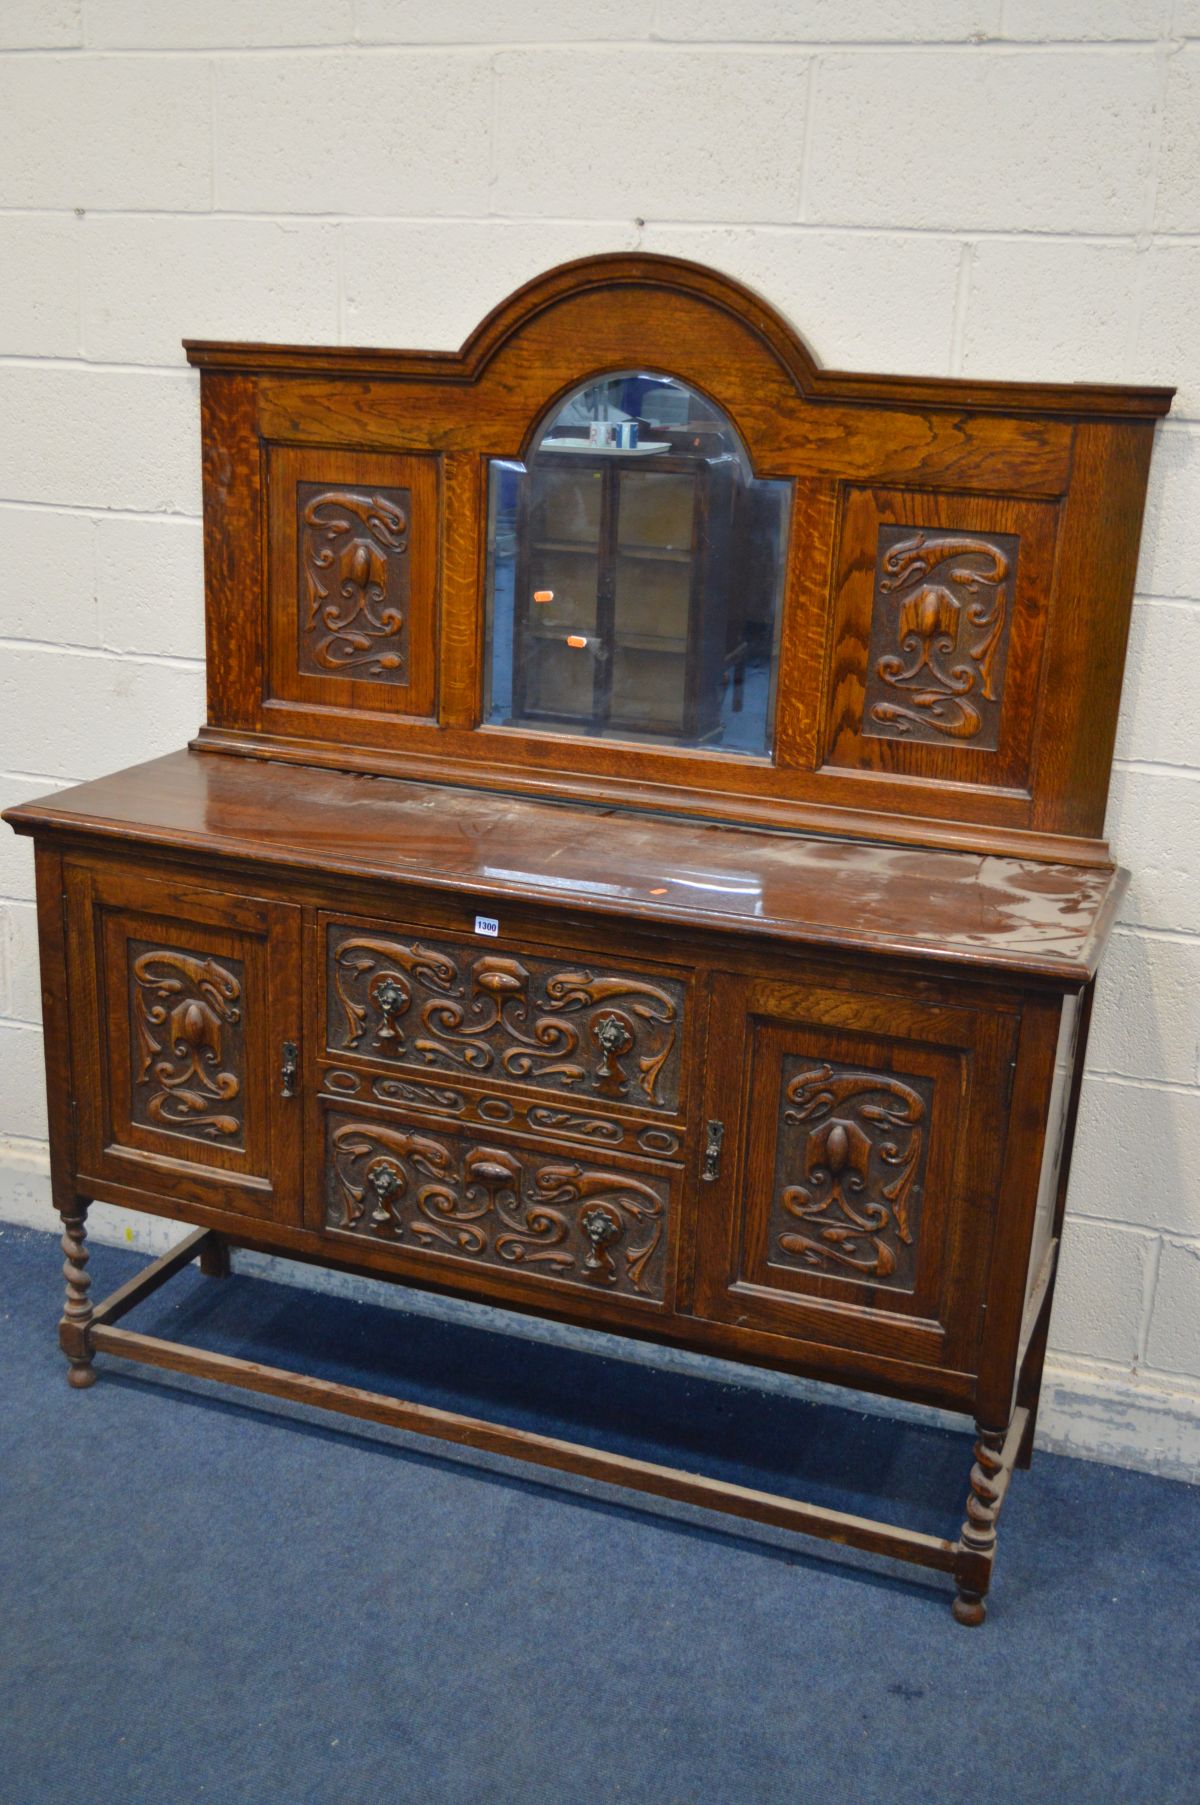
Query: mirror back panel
{"points": [[632, 545]]}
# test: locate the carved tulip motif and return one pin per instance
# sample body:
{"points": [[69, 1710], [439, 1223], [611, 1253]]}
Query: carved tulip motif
{"points": [[354, 574], [852, 1208], [185, 1017], [940, 624]]}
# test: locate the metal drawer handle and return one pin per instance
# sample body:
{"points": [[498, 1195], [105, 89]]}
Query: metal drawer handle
{"points": [[287, 1071], [714, 1134]]}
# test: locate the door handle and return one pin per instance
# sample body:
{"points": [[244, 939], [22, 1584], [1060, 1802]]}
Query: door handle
{"points": [[287, 1071], [714, 1134]]}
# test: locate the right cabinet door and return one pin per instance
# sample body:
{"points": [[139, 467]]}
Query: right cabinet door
{"points": [[852, 1200]]}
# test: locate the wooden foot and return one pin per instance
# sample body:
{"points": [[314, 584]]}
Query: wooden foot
{"points": [[214, 1257], [969, 1608], [977, 1539], [75, 1325]]}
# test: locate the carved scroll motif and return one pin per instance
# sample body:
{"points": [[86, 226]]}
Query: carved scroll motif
{"points": [[849, 1172], [354, 582], [608, 1035], [503, 1208], [939, 635], [557, 1121], [563, 1121], [187, 1044]]}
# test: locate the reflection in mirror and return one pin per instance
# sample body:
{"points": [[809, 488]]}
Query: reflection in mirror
{"points": [[635, 568]]}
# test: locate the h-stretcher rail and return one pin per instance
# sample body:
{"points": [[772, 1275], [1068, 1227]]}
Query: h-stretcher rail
{"points": [[968, 1559]]}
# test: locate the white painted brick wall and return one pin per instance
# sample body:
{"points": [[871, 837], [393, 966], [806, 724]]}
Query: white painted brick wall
{"points": [[1170, 555], [47, 575], [39, 284], [376, 132], [22, 988], [1160, 1045], [840, 288], [209, 277], [41, 24], [85, 436], [150, 585], [22, 1092], [1061, 141], [1174, 1337], [105, 131], [16, 855], [996, 187], [161, 25], [556, 150]]}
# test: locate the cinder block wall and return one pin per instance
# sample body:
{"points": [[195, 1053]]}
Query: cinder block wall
{"points": [[1002, 188]]}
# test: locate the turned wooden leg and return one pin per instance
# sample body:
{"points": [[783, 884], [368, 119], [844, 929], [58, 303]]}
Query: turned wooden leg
{"points": [[214, 1257], [977, 1539], [73, 1335]]}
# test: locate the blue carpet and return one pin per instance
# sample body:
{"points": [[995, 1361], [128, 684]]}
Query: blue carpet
{"points": [[205, 1599]]}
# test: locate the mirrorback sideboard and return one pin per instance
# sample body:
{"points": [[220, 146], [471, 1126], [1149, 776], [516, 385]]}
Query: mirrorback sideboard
{"points": [[643, 865]]}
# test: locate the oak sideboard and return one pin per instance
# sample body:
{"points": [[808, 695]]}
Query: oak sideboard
{"points": [[643, 864]]}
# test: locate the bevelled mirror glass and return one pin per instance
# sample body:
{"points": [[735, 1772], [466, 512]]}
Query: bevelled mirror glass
{"points": [[635, 567]]}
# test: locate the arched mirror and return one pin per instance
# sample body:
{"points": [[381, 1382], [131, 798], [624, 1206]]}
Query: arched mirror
{"points": [[635, 568]]}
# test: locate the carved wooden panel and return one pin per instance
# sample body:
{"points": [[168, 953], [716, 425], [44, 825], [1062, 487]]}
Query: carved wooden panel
{"points": [[185, 1001], [558, 1120], [187, 1043], [849, 1171], [351, 590], [937, 637], [577, 1219], [354, 581], [864, 1132], [598, 1033], [940, 627], [960, 451]]}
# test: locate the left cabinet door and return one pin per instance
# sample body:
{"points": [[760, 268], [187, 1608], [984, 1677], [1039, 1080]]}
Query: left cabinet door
{"points": [[185, 1028]]}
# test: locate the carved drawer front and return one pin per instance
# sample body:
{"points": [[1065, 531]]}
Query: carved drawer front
{"points": [[188, 1011], [569, 1217], [555, 1118], [587, 1030], [852, 1202]]}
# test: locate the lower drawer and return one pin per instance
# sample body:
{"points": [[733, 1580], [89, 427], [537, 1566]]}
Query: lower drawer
{"points": [[456, 1197]]}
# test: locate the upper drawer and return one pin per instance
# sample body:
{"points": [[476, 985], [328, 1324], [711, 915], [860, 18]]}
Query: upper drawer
{"points": [[563, 1022]]}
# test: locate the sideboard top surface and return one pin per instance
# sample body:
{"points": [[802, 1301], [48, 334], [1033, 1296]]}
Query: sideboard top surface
{"points": [[966, 908]]}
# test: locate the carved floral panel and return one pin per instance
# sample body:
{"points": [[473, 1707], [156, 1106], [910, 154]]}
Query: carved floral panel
{"points": [[354, 582], [849, 1172], [940, 626], [187, 1043], [590, 1031], [580, 1220]]}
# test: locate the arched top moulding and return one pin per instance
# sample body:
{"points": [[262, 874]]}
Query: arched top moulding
{"points": [[670, 290]]}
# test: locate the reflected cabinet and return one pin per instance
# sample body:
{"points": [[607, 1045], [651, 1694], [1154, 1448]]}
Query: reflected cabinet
{"points": [[642, 865], [634, 572]]}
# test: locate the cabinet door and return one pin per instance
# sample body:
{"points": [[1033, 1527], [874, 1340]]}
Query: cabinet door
{"points": [[185, 1008], [854, 1193]]}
